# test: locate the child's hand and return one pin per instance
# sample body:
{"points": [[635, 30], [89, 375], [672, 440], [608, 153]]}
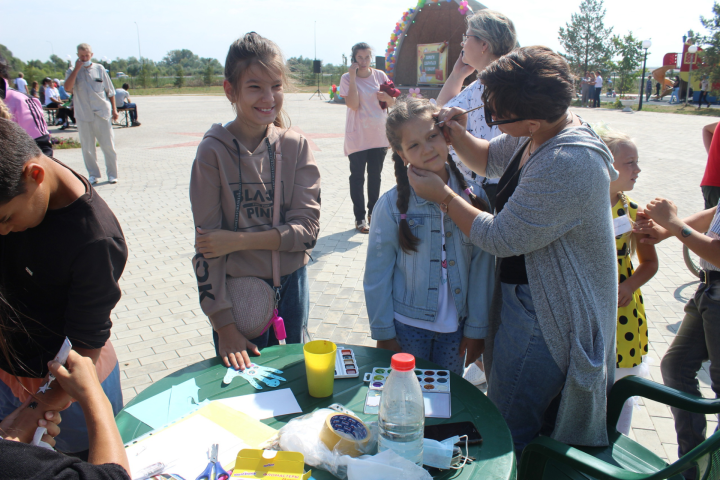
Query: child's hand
{"points": [[233, 347], [662, 211], [78, 378], [650, 232], [391, 344], [471, 349], [215, 243], [625, 295], [20, 425]]}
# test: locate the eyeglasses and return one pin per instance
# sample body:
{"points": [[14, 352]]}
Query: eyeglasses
{"points": [[465, 37], [491, 123]]}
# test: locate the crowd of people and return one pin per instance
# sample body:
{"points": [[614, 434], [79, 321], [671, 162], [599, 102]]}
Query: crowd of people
{"points": [[506, 246]]}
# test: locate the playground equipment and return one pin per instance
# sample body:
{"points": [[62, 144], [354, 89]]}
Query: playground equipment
{"points": [[670, 62]]}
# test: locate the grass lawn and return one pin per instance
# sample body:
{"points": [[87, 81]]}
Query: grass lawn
{"points": [[217, 90], [681, 109]]}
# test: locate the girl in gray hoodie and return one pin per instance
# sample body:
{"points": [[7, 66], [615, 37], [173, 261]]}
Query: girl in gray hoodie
{"points": [[235, 239]]}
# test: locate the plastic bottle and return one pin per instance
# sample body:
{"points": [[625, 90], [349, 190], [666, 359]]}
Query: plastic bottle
{"points": [[402, 411]]}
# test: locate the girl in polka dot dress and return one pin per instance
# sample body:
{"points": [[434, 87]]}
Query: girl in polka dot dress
{"points": [[632, 327]]}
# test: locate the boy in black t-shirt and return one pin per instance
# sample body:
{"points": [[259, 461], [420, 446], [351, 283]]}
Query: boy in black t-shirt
{"points": [[62, 252]]}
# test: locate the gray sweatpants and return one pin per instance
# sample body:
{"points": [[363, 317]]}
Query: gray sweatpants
{"points": [[101, 130], [697, 340]]}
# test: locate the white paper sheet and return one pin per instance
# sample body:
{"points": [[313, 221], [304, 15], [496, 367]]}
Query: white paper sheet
{"points": [[264, 405], [183, 448]]}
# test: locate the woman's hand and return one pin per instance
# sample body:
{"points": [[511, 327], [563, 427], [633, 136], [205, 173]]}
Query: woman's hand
{"points": [[462, 69], [471, 349], [233, 347], [662, 212], [216, 243], [352, 70], [391, 344], [454, 129], [651, 232], [384, 97], [78, 377], [427, 185], [625, 294]]}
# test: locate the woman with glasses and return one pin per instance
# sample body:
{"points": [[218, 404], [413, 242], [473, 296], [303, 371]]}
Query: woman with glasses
{"points": [[489, 36], [554, 335]]}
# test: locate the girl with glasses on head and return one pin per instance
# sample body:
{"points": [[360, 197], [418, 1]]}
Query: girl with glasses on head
{"points": [[553, 232]]}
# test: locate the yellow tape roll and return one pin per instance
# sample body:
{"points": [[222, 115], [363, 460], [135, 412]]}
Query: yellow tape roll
{"points": [[344, 433]]}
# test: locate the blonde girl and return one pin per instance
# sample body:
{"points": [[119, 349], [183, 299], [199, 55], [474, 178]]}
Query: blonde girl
{"points": [[632, 327]]}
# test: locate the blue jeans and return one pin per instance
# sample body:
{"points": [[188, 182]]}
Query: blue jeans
{"points": [[73, 436], [675, 94], [440, 348], [294, 309], [132, 113], [525, 379]]}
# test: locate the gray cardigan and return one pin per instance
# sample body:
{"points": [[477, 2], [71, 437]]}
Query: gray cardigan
{"points": [[558, 217]]}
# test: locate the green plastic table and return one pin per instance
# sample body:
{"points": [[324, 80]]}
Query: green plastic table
{"points": [[494, 457]]}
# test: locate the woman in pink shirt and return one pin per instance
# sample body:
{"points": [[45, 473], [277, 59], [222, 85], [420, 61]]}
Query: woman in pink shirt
{"points": [[365, 140]]}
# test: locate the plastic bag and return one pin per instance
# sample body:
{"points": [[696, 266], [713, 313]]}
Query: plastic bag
{"points": [[386, 465]]}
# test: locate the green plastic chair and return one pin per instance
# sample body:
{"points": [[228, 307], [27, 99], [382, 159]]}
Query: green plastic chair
{"points": [[624, 459]]}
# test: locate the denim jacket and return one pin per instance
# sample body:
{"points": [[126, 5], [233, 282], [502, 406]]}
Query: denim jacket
{"points": [[408, 284]]}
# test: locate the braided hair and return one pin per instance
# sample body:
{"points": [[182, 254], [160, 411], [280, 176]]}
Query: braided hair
{"points": [[407, 108]]}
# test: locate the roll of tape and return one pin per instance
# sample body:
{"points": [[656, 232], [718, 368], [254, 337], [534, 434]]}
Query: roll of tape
{"points": [[345, 433]]}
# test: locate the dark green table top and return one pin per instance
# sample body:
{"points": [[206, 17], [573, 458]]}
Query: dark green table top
{"points": [[494, 457]]}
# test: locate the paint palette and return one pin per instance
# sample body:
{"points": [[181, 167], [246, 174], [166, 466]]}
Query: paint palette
{"points": [[431, 381], [345, 364]]}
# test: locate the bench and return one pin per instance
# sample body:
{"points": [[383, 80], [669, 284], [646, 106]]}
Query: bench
{"points": [[51, 113], [124, 117]]}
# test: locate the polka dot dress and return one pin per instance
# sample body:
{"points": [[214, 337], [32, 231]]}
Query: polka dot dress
{"points": [[632, 330]]}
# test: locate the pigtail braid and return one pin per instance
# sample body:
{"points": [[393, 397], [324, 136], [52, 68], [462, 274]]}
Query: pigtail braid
{"points": [[408, 241], [475, 201]]}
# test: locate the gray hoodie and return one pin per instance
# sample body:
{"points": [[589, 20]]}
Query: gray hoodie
{"points": [[558, 217]]}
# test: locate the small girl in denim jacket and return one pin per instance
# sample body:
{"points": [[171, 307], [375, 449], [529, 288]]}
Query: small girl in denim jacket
{"points": [[427, 287]]}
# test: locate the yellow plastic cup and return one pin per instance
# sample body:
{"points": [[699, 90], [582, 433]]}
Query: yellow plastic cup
{"points": [[320, 367]]}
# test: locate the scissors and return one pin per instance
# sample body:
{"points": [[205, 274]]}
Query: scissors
{"points": [[441, 123], [213, 471]]}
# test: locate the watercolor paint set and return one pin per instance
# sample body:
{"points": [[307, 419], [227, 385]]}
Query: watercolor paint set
{"points": [[435, 385], [345, 364], [431, 381]]}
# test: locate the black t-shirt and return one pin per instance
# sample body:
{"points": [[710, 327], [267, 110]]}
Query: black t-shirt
{"points": [[512, 269], [20, 461], [61, 278]]}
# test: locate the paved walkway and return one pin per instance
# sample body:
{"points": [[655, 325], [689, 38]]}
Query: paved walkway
{"points": [[158, 324]]}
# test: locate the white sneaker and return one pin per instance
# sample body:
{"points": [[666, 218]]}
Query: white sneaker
{"points": [[93, 180], [474, 375], [112, 180]]}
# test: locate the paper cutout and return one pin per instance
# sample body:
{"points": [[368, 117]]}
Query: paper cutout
{"points": [[254, 373]]}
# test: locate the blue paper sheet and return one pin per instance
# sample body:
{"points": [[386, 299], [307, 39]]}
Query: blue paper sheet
{"points": [[168, 406]]}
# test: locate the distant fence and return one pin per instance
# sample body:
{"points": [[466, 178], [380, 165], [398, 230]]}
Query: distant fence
{"points": [[326, 79], [166, 81]]}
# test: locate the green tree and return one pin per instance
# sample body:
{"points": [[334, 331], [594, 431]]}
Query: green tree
{"points": [[145, 74], [630, 55], [208, 75], [179, 77], [586, 41], [710, 44]]}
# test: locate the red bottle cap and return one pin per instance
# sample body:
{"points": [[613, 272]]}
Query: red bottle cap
{"points": [[402, 362]]}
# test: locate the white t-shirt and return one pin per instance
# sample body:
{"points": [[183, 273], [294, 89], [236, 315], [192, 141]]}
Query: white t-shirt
{"points": [[704, 85], [446, 320], [365, 127], [120, 97], [713, 233], [50, 93], [471, 97], [598, 82], [21, 85]]}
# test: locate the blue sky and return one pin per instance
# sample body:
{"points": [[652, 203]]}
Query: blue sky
{"points": [[207, 28]]}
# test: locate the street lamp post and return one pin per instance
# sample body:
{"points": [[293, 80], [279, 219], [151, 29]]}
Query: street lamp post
{"points": [[692, 49], [645, 45], [138, 35], [52, 49]]}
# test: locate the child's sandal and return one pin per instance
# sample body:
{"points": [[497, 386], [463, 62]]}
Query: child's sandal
{"points": [[362, 227]]}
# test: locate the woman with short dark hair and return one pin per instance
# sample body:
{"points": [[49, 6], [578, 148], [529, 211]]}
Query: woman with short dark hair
{"points": [[554, 235]]}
